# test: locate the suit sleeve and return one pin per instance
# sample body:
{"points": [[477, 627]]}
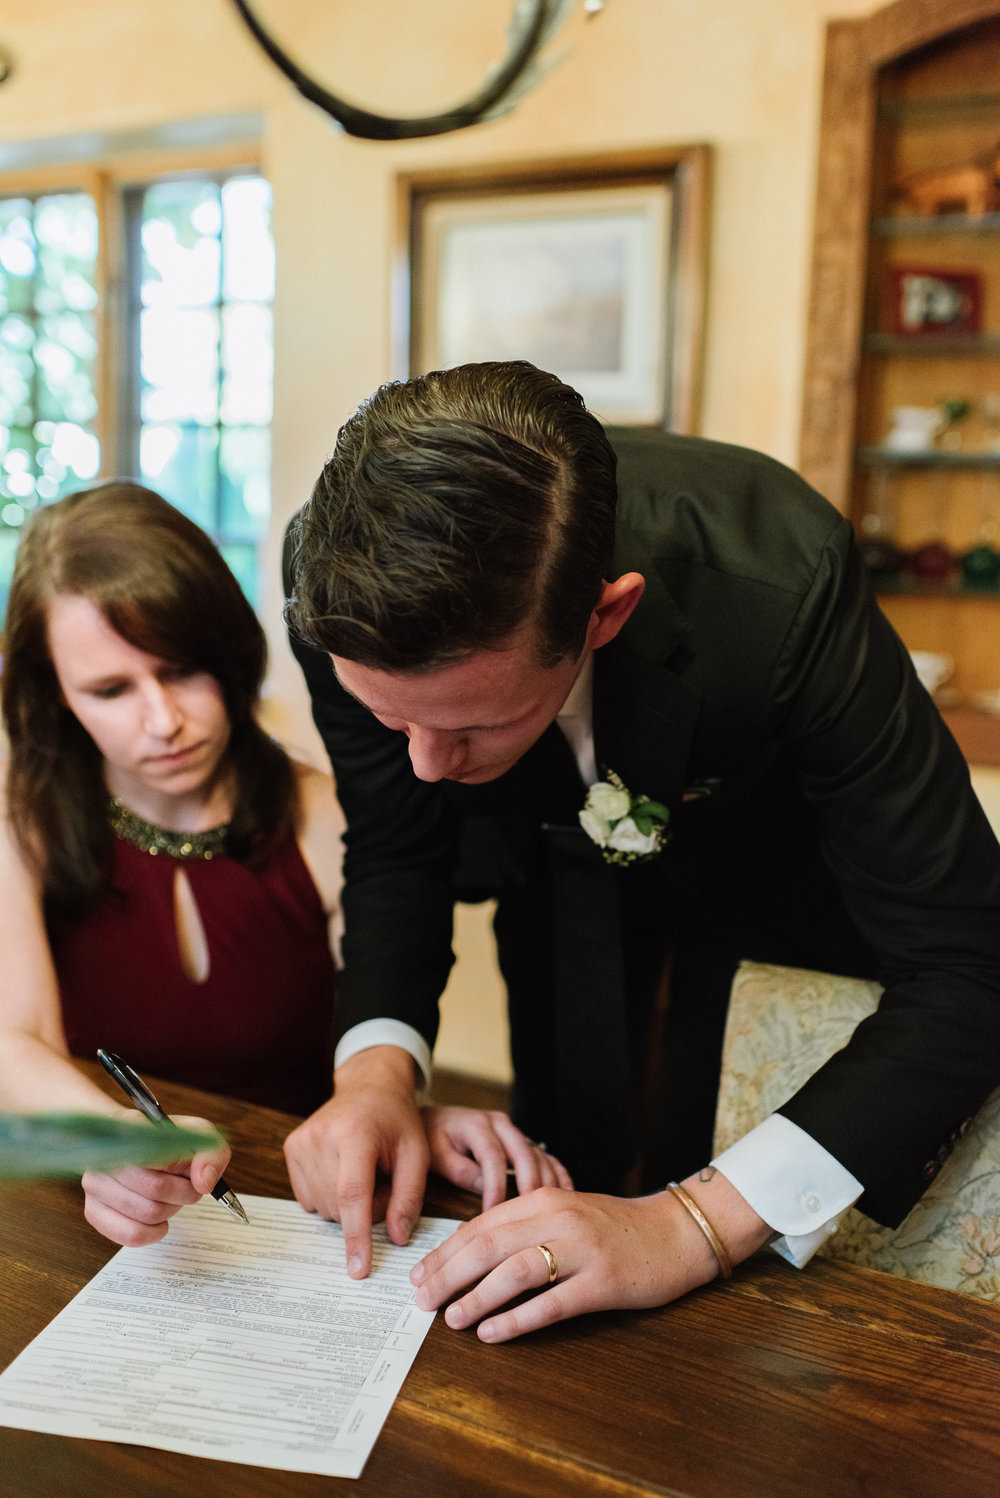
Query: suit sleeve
{"points": [[919, 869], [398, 862]]}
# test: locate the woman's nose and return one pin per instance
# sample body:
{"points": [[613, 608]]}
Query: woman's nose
{"points": [[161, 713], [433, 755]]}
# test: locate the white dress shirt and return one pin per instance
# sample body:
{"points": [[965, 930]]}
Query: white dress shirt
{"points": [[792, 1182]]}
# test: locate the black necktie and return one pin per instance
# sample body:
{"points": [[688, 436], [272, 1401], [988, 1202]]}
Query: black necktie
{"points": [[593, 1135]]}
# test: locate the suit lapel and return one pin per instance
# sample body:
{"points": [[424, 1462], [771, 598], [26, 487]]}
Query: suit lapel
{"points": [[645, 714]]}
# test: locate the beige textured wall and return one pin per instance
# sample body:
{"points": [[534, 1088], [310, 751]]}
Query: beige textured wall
{"points": [[742, 75]]}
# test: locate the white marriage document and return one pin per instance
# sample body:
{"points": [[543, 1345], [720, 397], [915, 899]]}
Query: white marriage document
{"points": [[248, 1344]]}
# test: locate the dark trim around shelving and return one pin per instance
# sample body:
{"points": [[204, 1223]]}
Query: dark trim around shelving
{"points": [[935, 225], [917, 588], [934, 106], [887, 457], [931, 343]]}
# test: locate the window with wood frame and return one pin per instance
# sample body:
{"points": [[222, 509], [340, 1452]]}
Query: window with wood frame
{"points": [[136, 341]]}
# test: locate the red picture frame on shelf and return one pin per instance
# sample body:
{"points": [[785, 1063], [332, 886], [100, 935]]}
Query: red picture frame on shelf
{"points": [[927, 301]]}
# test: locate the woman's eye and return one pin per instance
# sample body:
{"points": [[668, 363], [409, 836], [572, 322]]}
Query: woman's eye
{"points": [[105, 693]]}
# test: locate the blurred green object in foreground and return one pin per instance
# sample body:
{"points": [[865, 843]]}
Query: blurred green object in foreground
{"points": [[34, 1146]]}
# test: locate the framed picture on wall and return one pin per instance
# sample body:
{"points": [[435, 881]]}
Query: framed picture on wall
{"points": [[592, 269]]}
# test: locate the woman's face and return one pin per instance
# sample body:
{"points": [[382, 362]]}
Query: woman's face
{"points": [[163, 729]]}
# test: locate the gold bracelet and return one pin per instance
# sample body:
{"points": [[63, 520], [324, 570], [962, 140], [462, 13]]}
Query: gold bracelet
{"points": [[715, 1243]]}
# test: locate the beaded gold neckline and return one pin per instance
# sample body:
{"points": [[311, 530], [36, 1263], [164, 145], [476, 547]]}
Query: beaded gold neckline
{"points": [[149, 838]]}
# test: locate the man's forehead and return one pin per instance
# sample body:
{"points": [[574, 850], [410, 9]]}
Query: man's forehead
{"points": [[488, 689]]}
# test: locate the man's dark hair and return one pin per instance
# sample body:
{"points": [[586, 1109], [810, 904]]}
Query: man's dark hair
{"points": [[457, 508]]}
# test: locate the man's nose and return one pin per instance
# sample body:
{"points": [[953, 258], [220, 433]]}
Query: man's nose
{"points": [[434, 755]]}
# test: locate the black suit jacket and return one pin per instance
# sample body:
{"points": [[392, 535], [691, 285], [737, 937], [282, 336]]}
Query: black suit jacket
{"points": [[822, 813]]}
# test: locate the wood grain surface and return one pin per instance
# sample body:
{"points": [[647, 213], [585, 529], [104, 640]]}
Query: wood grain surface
{"points": [[836, 1381]]}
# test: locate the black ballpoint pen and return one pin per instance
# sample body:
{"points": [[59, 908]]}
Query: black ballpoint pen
{"points": [[134, 1087]]}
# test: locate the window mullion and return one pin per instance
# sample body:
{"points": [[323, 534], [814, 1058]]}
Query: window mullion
{"points": [[109, 316], [128, 328]]}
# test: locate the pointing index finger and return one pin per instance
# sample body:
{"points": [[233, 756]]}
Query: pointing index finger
{"points": [[356, 1193]]}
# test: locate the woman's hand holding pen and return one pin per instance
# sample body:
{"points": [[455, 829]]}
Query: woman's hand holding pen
{"points": [[133, 1206]]}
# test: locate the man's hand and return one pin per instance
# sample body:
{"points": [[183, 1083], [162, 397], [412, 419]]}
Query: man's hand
{"points": [[612, 1253], [133, 1206], [472, 1147], [370, 1125]]}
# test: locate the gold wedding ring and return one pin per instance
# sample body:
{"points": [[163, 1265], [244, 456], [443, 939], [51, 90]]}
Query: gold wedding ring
{"points": [[550, 1261]]}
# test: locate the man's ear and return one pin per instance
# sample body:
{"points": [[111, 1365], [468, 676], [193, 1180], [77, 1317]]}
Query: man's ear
{"points": [[614, 606]]}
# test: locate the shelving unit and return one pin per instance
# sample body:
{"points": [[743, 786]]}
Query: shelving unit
{"points": [[913, 89]]}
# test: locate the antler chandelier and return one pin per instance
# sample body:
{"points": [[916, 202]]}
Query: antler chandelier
{"points": [[532, 25]]}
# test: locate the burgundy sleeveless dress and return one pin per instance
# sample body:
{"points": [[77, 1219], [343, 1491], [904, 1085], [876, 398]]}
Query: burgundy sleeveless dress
{"points": [[260, 1027]]}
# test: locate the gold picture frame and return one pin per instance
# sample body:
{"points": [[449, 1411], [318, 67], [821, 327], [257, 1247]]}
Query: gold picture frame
{"points": [[593, 268]]}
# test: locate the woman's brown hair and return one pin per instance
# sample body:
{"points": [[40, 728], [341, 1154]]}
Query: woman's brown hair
{"points": [[163, 586]]}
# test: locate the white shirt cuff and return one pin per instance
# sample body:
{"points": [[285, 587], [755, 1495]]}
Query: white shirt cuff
{"points": [[372, 1032], [796, 1185]]}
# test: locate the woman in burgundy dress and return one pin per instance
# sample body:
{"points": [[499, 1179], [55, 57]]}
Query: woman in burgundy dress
{"points": [[169, 877]]}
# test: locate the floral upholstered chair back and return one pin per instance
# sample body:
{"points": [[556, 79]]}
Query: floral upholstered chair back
{"points": [[783, 1024]]}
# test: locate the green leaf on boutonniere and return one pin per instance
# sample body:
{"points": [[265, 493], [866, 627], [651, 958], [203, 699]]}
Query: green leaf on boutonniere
{"points": [[627, 829], [649, 815], [36, 1146]]}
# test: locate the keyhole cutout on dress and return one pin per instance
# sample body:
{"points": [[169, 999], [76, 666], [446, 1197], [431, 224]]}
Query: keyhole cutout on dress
{"points": [[192, 944]]}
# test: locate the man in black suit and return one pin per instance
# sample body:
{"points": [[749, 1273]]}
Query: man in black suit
{"points": [[509, 624]]}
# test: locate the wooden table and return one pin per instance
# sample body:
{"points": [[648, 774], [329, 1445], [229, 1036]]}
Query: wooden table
{"points": [[836, 1381]]}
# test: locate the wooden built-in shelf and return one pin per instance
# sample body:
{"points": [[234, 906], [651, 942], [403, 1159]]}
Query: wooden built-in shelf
{"points": [[911, 114]]}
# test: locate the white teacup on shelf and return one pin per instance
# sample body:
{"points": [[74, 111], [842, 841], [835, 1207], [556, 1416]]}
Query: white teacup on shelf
{"points": [[933, 668], [913, 428]]}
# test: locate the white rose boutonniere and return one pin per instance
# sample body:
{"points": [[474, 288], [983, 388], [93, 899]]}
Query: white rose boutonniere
{"points": [[626, 828]]}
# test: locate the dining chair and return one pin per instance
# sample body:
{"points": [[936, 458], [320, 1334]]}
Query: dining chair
{"points": [[783, 1024]]}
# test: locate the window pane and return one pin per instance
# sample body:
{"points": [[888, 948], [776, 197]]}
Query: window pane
{"points": [[17, 373], [243, 561], [206, 353], [245, 469], [66, 234], [181, 463], [48, 352], [18, 254], [248, 377], [66, 456], [180, 365], [8, 546], [248, 273], [65, 354], [181, 248]]}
